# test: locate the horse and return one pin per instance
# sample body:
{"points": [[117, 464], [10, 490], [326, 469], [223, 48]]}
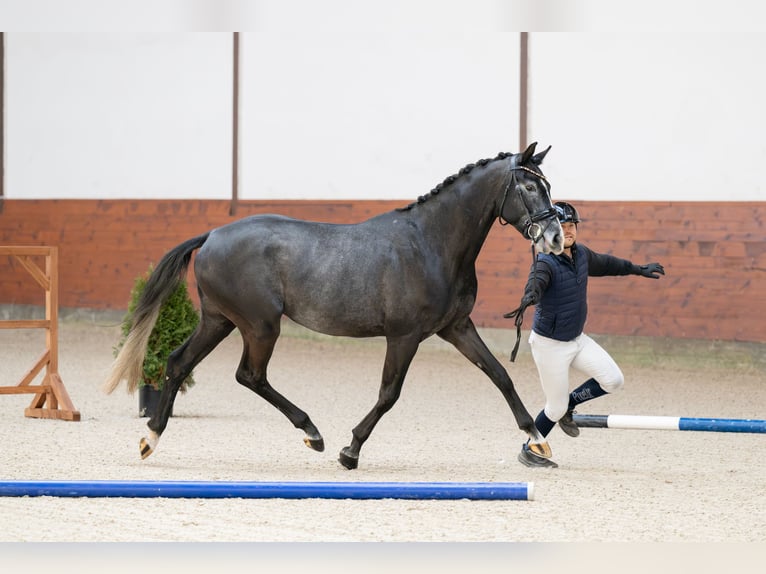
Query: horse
{"points": [[405, 275]]}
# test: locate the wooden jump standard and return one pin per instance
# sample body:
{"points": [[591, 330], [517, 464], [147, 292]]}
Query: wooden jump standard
{"points": [[51, 400]]}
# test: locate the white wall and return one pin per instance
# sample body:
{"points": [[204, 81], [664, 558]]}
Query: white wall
{"points": [[636, 116], [332, 110], [342, 112], [118, 115]]}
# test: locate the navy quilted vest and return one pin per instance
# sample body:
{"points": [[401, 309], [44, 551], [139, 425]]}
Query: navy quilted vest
{"points": [[561, 312]]}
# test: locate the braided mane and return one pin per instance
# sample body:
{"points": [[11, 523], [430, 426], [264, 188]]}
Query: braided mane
{"points": [[452, 178]]}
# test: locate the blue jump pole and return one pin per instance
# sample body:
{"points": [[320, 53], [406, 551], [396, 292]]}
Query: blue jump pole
{"points": [[670, 423], [292, 490]]}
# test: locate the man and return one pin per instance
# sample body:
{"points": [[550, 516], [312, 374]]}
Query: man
{"points": [[558, 285]]}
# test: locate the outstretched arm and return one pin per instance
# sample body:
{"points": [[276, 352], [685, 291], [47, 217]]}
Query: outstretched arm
{"points": [[601, 264]]}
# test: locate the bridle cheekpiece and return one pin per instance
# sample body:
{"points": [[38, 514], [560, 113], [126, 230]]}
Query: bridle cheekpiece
{"points": [[532, 228]]}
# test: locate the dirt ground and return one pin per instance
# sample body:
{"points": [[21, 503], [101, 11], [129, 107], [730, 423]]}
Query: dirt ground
{"points": [[450, 424]]}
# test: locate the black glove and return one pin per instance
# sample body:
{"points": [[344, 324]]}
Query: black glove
{"points": [[651, 270], [529, 298]]}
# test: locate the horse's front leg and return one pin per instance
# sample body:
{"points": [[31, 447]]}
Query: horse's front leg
{"points": [[399, 354], [466, 339]]}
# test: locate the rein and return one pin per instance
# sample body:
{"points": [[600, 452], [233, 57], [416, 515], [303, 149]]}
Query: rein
{"points": [[518, 314]]}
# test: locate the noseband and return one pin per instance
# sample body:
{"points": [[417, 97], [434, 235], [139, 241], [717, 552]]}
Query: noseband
{"points": [[532, 228]]}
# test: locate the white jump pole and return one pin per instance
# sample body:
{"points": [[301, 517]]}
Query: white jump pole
{"points": [[670, 423]]}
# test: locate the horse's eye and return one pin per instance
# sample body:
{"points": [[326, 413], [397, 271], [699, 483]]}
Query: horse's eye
{"points": [[530, 187]]}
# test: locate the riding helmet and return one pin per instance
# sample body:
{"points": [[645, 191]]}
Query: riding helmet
{"points": [[566, 212]]}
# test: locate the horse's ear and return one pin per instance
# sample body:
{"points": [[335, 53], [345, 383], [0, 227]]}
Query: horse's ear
{"points": [[538, 159], [528, 153]]}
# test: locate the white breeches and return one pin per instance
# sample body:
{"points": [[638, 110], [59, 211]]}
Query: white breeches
{"points": [[554, 358]]}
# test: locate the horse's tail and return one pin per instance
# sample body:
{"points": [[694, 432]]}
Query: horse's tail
{"points": [[170, 271]]}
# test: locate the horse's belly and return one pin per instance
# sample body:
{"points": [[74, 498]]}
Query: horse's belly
{"points": [[342, 317], [362, 311]]}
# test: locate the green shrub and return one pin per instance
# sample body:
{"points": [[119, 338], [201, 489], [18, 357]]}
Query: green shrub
{"points": [[176, 322]]}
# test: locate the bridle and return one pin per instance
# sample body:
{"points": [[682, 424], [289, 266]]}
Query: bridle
{"points": [[532, 228], [533, 231]]}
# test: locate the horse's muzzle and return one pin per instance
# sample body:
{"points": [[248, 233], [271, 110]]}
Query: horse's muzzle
{"points": [[551, 240]]}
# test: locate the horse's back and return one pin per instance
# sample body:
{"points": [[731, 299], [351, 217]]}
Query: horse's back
{"points": [[346, 279]]}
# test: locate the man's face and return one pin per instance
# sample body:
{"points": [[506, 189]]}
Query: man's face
{"points": [[570, 233]]}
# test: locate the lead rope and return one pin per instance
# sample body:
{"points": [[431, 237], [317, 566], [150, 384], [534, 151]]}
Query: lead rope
{"points": [[518, 314]]}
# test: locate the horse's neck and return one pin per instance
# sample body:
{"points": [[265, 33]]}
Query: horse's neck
{"points": [[460, 219]]}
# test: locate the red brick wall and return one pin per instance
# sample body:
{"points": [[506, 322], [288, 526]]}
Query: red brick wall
{"points": [[714, 255]]}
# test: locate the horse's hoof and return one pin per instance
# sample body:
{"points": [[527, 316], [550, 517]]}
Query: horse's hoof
{"points": [[542, 449], [347, 460], [145, 448], [315, 443]]}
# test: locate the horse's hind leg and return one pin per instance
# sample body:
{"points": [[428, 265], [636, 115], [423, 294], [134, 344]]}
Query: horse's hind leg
{"points": [[252, 374], [399, 354], [212, 329], [466, 339]]}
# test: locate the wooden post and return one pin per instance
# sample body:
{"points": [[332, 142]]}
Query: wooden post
{"points": [[51, 400]]}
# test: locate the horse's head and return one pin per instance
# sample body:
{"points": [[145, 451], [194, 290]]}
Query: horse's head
{"points": [[526, 202]]}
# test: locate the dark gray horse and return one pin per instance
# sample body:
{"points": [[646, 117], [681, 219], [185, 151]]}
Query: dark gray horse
{"points": [[404, 275]]}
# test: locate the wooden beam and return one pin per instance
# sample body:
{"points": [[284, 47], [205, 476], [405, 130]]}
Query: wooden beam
{"points": [[523, 91], [235, 130], [25, 324], [2, 120]]}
